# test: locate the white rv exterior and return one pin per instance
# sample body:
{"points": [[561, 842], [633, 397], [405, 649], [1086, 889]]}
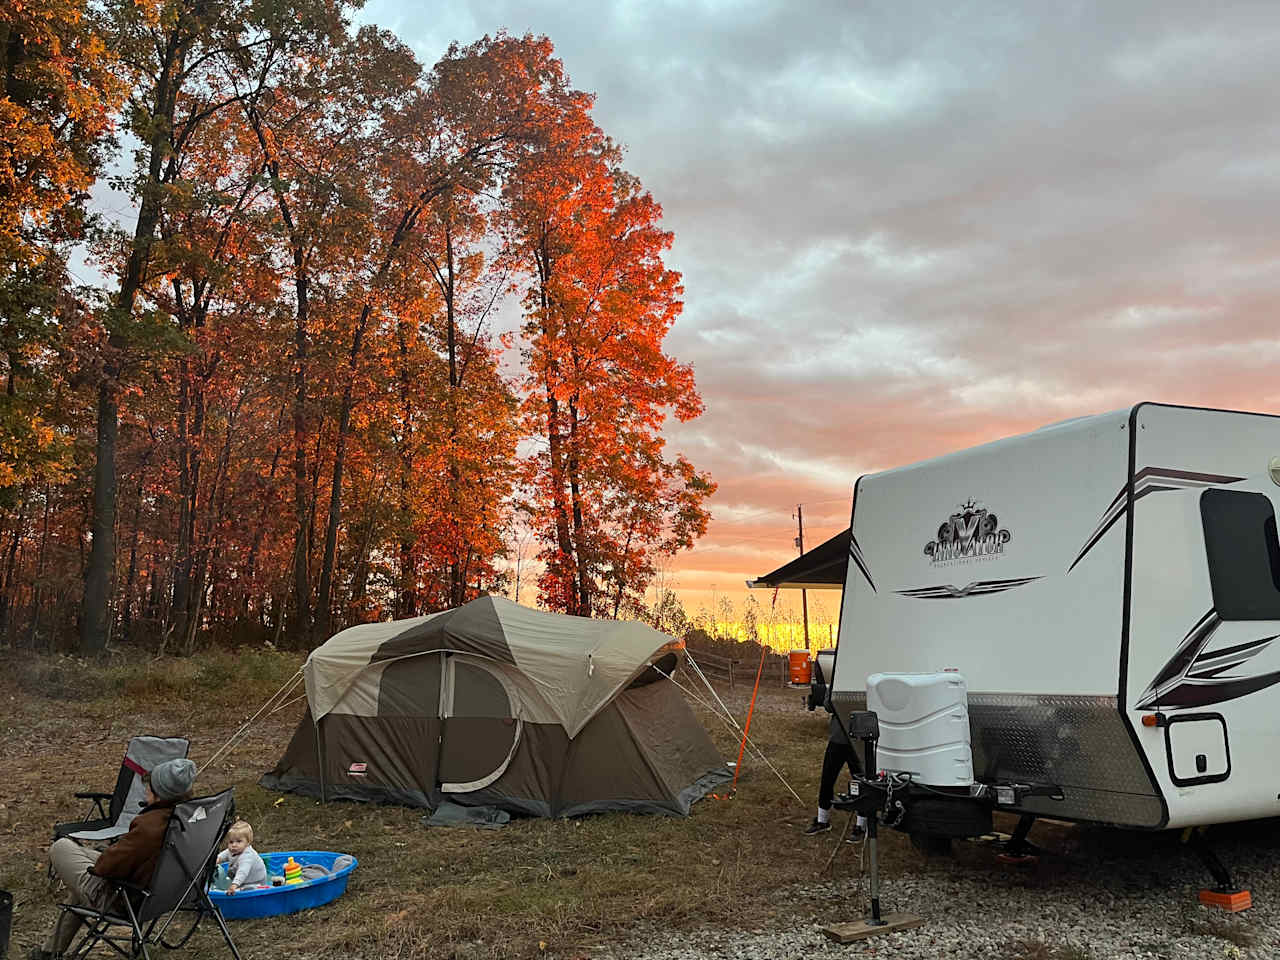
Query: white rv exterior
{"points": [[1082, 578]]}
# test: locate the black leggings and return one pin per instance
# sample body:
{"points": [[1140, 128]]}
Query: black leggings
{"points": [[837, 755]]}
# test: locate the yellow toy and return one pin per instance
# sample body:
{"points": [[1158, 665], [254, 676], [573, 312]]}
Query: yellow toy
{"points": [[292, 872]]}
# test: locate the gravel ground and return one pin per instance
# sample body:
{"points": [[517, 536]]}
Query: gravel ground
{"points": [[1118, 895]]}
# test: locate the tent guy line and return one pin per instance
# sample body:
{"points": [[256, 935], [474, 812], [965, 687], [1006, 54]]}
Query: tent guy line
{"points": [[730, 722], [234, 740]]}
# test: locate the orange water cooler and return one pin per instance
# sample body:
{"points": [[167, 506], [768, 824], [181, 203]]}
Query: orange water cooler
{"points": [[800, 665]]}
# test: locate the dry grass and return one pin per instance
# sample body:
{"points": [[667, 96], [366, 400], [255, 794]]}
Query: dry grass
{"points": [[536, 888]]}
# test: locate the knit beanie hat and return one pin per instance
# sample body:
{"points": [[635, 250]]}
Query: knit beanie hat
{"points": [[172, 779]]}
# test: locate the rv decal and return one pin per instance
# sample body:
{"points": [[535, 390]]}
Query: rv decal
{"points": [[1193, 677], [971, 532], [1145, 481], [976, 589], [855, 554]]}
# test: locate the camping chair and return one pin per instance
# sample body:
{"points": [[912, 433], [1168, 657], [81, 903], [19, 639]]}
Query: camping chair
{"points": [[180, 884], [123, 803]]}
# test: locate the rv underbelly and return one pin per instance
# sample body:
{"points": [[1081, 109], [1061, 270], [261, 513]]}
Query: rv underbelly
{"points": [[1080, 578]]}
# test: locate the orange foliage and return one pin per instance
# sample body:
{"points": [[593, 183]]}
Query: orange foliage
{"points": [[315, 412]]}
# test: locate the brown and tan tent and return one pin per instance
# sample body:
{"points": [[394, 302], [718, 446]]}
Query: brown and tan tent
{"points": [[497, 704]]}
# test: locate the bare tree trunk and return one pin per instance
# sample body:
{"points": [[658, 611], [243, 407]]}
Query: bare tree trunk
{"points": [[301, 284], [7, 599], [555, 439], [406, 599], [126, 620], [252, 563], [37, 598], [360, 571], [620, 574], [96, 618], [301, 581], [408, 219], [182, 565]]}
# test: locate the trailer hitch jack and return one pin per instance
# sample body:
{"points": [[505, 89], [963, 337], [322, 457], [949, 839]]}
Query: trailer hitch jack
{"points": [[1224, 894], [871, 802], [1019, 850]]}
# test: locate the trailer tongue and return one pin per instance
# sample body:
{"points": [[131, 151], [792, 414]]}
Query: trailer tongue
{"points": [[919, 772]]}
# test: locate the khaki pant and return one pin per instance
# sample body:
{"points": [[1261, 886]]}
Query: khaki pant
{"points": [[71, 862]]}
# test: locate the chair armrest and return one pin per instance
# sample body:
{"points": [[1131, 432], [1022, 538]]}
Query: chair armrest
{"points": [[75, 826], [98, 800], [126, 885]]}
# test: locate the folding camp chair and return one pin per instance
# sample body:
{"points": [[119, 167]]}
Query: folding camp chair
{"points": [[180, 884], [123, 803]]}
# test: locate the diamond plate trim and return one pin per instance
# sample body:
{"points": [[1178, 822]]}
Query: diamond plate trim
{"points": [[1078, 743]]}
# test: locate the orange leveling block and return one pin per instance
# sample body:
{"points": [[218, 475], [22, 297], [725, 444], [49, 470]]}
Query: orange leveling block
{"points": [[1232, 900], [1225, 895]]}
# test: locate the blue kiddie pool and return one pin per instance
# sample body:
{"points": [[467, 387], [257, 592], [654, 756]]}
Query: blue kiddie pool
{"points": [[290, 898]]}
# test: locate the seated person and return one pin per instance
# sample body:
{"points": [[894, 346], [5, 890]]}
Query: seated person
{"points": [[132, 858], [244, 865]]}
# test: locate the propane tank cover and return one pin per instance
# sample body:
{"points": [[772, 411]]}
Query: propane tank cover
{"points": [[924, 726]]}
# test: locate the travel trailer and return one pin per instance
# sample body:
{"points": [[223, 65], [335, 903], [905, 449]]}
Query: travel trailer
{"points": [[1101, 597]]}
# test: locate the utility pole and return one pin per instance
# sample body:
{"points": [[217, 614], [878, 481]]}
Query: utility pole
{"points": [[804, 597]]}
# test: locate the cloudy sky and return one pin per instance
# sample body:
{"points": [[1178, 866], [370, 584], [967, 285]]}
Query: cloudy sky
{"points": [[906, 228]]}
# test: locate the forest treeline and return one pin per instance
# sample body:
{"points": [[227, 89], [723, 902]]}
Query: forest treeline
{"points": [[357, 328]]}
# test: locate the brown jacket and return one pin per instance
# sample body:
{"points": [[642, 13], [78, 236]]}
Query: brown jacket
{"points": [[133, 857]]}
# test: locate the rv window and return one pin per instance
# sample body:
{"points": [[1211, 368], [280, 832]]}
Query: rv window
{"points": [[1243, 552]]}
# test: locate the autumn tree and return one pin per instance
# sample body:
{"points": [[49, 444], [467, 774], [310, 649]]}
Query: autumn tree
{"points": [[598, 386], [318, 137], [292, 404], [179, 58], [211, 275], [57, 95]]}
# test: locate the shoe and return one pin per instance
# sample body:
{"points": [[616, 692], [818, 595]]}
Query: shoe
{"points": [[856, 835], [816, 826]]}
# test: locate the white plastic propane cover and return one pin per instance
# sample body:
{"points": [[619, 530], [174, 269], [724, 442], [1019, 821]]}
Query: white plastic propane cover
{"points": [[924, 726]]}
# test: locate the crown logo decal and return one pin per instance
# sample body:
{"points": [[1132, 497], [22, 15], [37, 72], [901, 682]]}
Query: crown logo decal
{"points": [[972, 531]]}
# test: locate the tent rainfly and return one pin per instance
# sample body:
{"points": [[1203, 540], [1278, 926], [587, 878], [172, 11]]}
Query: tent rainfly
{"points": [[494, 703]]}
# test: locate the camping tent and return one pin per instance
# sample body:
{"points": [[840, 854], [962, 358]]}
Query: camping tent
{"points": [[495, 703]]}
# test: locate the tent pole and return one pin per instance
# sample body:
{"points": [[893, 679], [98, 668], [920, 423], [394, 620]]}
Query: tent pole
{"points": [[320, 761], [437, 786]]}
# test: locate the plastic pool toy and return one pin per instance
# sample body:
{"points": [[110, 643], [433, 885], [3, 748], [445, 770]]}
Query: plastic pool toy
{"points": [[273, 901]]}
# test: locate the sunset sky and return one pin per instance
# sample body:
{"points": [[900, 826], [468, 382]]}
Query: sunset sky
{"points": [[906, 228]]}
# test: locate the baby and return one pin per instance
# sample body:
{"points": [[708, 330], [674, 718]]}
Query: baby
{"points": [[244, 865]]}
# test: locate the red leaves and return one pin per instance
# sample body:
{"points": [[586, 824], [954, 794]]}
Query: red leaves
{"points": [[598, 385], [311, 350]]}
